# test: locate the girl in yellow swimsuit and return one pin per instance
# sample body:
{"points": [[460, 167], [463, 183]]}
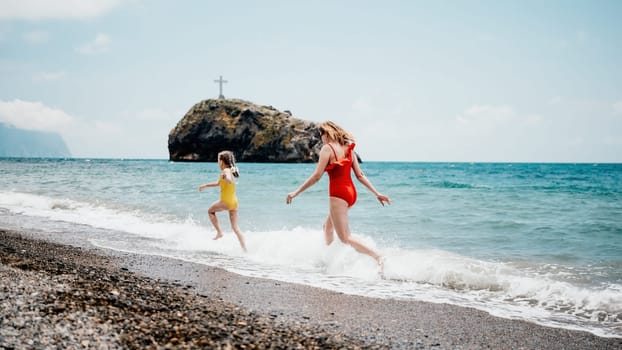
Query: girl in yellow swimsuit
{"points": [[228, 200]]}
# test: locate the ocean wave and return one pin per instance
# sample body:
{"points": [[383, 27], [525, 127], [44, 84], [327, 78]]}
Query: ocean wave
{"points": [[450, 184], [300, 255]]}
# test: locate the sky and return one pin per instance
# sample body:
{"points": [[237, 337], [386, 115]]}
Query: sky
{"points": [[441, 81]]}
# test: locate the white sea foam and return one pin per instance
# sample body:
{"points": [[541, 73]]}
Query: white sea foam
{"points": [[300, 255]]}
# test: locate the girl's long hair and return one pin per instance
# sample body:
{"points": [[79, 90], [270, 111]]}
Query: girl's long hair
{"points": [[228, 158], [336, 133]]}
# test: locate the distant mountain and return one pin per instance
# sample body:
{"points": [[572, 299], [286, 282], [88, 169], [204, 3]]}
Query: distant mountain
{"points": [[16, 142]]}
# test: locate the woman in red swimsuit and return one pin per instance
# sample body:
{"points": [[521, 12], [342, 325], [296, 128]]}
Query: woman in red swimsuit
{"points": [[338, 160]]}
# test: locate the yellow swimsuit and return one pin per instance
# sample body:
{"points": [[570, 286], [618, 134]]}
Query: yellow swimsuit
{"points": [[227, 194]]}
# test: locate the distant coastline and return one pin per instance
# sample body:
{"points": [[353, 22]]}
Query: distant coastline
{"points": [[367, 161], [21, 143]]}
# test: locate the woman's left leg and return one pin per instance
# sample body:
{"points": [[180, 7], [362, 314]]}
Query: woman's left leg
{"points": [[339, 218], [329, 230]]}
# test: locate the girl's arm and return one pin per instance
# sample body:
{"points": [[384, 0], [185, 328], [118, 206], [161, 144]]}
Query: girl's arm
{"points": [[210, 184], [365, 181], [315, 177], [227, 175]]}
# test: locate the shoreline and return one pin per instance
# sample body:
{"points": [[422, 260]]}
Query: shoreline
{"points": [[261, 312]]}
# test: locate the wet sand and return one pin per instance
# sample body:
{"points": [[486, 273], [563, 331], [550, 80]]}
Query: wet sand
{"points": [[61, 291]]}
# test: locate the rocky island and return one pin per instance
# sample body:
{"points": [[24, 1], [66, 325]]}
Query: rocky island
{"points": [[254, 133]]}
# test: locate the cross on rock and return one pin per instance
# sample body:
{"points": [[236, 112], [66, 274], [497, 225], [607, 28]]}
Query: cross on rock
{"points": [[220, 82]]}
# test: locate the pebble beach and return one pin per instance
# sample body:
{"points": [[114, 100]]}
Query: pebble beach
{"points": [[56, 295]]}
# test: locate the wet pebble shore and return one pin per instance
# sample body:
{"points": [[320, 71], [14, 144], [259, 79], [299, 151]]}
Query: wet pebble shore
{"points": [[61, 297], [73, 295]]}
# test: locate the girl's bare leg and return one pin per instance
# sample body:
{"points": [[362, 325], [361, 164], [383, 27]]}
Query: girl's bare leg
{"points": [[217, 206], [233, 217], [329, 230], [339, 218]]}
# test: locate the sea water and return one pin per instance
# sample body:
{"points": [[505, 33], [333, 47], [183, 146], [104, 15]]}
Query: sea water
{"points": [[538, 242]]}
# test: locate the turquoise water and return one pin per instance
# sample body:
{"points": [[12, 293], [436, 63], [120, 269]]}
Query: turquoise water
{"points": [[541, 242]]}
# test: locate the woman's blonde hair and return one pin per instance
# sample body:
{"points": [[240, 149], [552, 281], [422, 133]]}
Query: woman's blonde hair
{"points": [[336, 133], [228, 158]]}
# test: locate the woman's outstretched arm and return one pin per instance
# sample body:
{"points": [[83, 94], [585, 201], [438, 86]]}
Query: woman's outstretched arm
{"points": [[315, 177], [365, 181]]}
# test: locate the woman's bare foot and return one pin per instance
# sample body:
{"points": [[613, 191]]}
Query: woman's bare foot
{"points": [[218, 236], [380, 261]]}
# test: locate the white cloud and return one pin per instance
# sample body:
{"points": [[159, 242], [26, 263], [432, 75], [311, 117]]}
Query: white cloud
{"points": [[49, 76], [33, 116], [479, 115], [492, 133], [532, 120], [369, 107], [107, 128], [57, 9], [100, 44], [613, 141], [577, 141], [154, 114], [617, 107], [484, 114], [37, 37], [362, 104]]}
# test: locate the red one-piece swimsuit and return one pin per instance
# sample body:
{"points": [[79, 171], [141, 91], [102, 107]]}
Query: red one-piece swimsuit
{"points": [[340, 179]]}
